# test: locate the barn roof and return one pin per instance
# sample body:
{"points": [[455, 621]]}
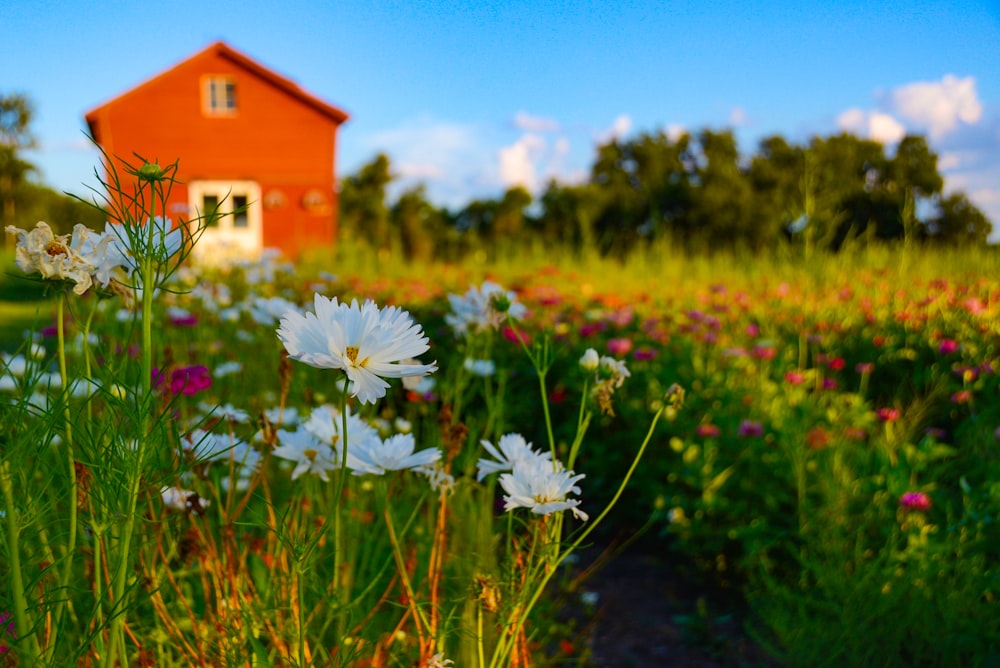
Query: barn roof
{"points": [[222, 49]]}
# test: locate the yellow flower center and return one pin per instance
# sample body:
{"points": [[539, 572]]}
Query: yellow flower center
{"points": [[55, 248], [352, 355], [310, 454]]}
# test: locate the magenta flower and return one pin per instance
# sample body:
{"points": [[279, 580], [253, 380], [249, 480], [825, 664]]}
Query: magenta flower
{"points": [[947, 346], [915, 501], [7, 623], [751, 429], [643, 354], [190, 380]]}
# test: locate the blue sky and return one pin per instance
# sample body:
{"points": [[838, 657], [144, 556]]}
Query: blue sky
{"points": [[473, 99]]}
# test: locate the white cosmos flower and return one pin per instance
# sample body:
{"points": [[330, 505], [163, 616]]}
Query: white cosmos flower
{"points": [[541, 488], [512, 450], [365, 341], [395, 453], [134, 243], [177, 498], [476, 310], [309, 455], [326, 426], [268, 310], [84, 258], [590, 360]]}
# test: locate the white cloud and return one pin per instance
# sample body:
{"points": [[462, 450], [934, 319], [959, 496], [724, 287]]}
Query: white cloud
{"points": [[619, 128], [948, 161], [417, 170], [517, 162], [454, 159], [529, 123], [938, 106], [738, 116], [675, 131], [872, 124]]}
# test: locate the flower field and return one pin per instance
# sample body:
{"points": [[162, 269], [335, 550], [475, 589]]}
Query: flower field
{"points": [[358, 462]]}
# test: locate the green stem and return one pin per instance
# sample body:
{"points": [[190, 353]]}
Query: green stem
{"points": [[301, 616], [73, 496], [148, 269], [28, 650]]}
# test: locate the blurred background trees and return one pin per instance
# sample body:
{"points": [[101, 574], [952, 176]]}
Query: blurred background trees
{"points": [[696, 192], [23, 199]]}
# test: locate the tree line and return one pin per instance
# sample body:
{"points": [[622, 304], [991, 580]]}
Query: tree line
{"points": [[695, 190]]}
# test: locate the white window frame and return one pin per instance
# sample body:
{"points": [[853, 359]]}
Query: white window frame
{"points": [[218, 95], [225, 240]]}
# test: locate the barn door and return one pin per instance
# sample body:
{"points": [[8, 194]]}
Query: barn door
{"points": [[230, 213]]}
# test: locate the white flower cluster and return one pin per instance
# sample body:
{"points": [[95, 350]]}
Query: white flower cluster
{"points": [[482, 308], [607, 368], [534, 481], [87, 257], [84, 258], [317, 449]]}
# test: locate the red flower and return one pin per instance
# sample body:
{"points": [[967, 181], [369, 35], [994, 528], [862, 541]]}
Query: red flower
{"points": [[707, 430], [818, 438], [888, 414]]}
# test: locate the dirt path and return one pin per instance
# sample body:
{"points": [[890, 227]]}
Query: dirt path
{"points": [[649, 614]]}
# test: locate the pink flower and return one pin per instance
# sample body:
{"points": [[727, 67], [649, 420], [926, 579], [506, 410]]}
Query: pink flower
{"points": [[764, 352], [794, 377], [864, 367], [836, 364], [190, 380], [619, 346], [947, 346], [915, 501]]}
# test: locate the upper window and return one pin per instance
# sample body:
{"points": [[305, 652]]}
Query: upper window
{"points": [[218, 96]]}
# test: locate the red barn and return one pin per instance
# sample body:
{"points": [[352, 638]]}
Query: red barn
{"points": [[245, 137]]}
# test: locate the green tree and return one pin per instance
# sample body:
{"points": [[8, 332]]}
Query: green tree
{"points": [[418, 223], [16, 113], [722, 204], [364, 214], [959, 222], [568, 214], [509, 217], [775, 175]]}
